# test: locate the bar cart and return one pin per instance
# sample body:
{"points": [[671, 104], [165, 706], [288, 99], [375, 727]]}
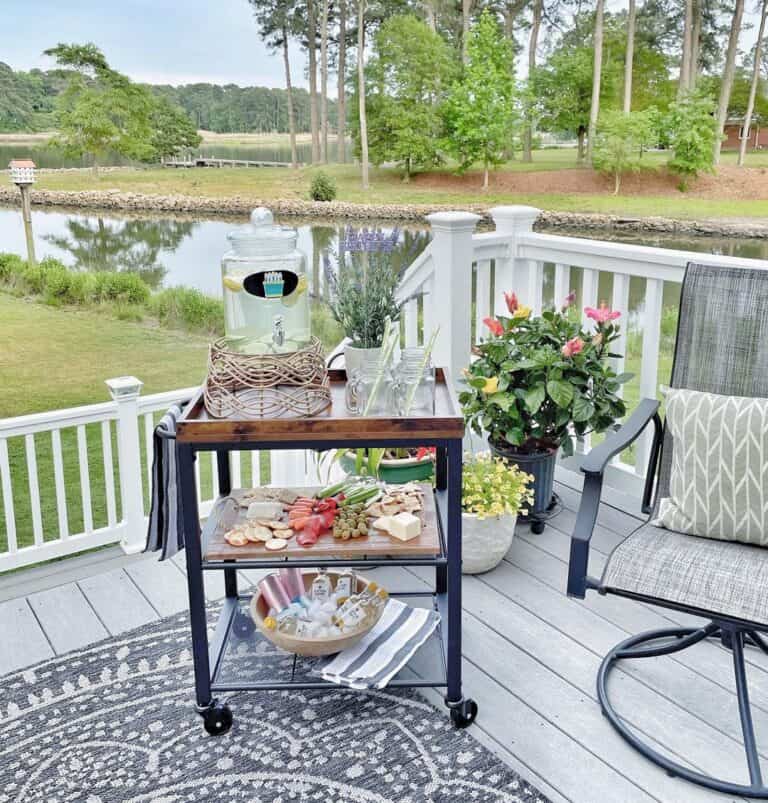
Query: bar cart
{"points": [[334, 428]]}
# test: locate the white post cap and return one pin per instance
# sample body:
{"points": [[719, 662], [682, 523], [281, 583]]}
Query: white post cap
{"points": [[124, 388], [453, 221], [514, 218]]}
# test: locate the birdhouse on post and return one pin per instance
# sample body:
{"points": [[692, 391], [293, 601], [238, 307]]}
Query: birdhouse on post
{"points": [[22, 172], [23, 176]]}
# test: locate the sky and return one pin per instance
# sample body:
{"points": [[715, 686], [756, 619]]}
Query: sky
{"points": [[170, 41]]}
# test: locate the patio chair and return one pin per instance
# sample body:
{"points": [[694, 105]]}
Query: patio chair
{"points": [[722, 348]]}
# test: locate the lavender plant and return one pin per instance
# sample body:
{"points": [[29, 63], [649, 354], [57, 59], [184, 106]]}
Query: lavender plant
{"points": [[363, 285]]}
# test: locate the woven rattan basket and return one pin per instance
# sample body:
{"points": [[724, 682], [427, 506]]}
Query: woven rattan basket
{"points": [[308, 647], [266, 385]]}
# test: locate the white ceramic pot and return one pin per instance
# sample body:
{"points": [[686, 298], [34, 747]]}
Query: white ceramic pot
{"points": [[353, 357], [484, 542]]}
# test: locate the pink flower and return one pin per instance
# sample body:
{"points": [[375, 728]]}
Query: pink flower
{"points": [[568, 300], [494, 325], [512, 302], [603, 314], [572, 347]]}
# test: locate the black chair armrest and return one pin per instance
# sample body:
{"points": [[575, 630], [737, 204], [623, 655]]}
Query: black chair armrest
{"points": [[596, 461], [593, 466]]}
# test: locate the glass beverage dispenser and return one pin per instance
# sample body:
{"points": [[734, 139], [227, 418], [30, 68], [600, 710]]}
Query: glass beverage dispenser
{"points": [[266, 303]]}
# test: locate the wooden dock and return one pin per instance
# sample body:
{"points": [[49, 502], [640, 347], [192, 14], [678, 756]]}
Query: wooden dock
{"points": [[214, 161], [530, 659]]}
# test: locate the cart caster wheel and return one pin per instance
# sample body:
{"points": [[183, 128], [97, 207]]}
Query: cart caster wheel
{"points": [[464, 714], [243, 626], [537, 527], [217, 719]]}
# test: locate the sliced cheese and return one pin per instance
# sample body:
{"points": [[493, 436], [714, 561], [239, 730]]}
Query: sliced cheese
{"points": [[265, 510], [404, 526], [382, 523]]}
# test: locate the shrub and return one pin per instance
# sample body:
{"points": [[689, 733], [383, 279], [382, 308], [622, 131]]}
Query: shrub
{"points": [[190, 309], [693, 133], [127, 288], [323, 187], [10, 265], [491, 487]]}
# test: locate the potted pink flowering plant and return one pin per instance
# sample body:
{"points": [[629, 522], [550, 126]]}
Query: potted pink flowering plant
{"points": [[538, 381]]}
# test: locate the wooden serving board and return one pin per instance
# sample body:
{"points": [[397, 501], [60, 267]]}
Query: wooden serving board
{"points": [[376, 543]]}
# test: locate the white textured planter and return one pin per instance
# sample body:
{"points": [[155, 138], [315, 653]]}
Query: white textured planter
{"points": [[485, 542], [354, 357]]}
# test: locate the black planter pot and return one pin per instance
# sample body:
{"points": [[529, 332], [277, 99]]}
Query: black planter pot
{"points": [[541, 466]]}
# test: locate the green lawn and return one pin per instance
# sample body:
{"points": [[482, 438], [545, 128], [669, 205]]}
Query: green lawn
{"points": [[58, 358], [387, 187]]}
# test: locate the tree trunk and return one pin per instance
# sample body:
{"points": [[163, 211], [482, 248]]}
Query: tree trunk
{"points": [[341, 104], [616, 182], [629, 59], [685, 60], [580, 147], [311, 46], [485, 176], [324, 84], [466, 14], [361, 93], [753, 86], [430, 13], [693, 65], [533, 42], [289, 98], [594, 108], [728, 71]]}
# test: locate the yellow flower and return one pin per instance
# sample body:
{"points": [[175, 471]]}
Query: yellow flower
{"points": [[522, 312], [491, 385]]}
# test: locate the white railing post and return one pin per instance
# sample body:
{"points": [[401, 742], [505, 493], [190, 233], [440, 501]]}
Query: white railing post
{"points": [[450, 304], [125, 391], [522, 276]]}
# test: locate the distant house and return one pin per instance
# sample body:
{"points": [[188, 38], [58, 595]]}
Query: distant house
{"points": [[758, 135]]}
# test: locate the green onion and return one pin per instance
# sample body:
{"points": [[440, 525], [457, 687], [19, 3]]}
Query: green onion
{"points": [[334, 490]]}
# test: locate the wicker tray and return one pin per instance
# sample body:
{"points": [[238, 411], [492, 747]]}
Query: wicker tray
{"points": [[308, 647]]}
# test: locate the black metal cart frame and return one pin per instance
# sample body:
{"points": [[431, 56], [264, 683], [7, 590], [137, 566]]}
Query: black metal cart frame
{"points": [[447, 593]]}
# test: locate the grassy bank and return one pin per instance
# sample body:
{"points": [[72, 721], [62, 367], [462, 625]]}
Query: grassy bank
{"points": [[387, 187]]}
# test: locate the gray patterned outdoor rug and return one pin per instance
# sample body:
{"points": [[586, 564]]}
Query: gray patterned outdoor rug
{"points": [[115, 722]]}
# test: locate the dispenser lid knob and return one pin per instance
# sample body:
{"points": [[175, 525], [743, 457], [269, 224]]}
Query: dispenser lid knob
{"points": [[261, 216]]}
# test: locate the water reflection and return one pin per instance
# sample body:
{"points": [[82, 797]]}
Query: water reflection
{"points": [[101, 244]]}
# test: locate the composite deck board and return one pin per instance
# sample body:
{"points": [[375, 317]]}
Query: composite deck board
{"points": [[162, 583], [24, 642], [530, 658], [67, 618], [120, 604]]}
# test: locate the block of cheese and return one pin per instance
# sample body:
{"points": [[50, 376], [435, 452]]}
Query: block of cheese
{"points": [[404, 526], [382, 523]]}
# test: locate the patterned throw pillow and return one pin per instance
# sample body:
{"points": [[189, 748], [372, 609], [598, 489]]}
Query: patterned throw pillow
{"points": [[719, 475]]}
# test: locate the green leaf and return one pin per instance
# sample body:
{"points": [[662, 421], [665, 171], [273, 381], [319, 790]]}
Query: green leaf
{"points": [[567, 446], [583, 409], [502, 400], [477, 382], [534, 398], [514, 436], [560, 391], [622, 378]]}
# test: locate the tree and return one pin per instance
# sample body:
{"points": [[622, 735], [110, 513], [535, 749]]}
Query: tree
{"points": [[728, 73], [629, 57], [324, 83], [274, 20], [693, 131], [363, 123], [410, 72], [466, 21], [480, 111], [101, 110], [533, 43], [621, 139], [683, 84], [341, 125], [597, 68], [312, 52], [753, 84], [172, 130]]}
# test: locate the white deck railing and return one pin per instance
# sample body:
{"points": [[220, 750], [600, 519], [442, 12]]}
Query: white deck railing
{"points": [[101, 454]]}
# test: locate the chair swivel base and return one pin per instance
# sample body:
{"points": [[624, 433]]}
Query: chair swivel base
{"points": [[655, 643]]}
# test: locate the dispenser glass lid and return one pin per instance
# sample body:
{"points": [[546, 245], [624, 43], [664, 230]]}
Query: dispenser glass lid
{"points": [[262, 234]]}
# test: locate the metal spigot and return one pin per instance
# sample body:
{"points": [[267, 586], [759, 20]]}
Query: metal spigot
{"points": [[278, 332]]}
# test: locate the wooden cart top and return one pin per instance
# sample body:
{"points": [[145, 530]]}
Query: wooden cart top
{"points": [[333, 424]]}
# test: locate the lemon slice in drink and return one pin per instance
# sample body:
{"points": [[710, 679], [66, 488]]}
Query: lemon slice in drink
{"points": [[301, 288], [233, 283]]}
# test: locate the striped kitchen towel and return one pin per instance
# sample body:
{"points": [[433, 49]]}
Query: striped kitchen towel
{"points": [[384, 651]]}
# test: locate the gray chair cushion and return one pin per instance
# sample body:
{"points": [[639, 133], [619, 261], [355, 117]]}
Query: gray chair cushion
{"points": [[720, 577]]}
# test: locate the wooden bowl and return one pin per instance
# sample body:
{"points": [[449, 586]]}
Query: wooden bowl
{"points": [[309, 647]]}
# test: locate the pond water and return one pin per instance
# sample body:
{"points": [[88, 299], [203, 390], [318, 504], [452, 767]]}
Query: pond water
{"points": [[186, 250], [45, 156]]}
